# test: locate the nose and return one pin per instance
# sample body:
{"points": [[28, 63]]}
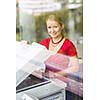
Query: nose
{"points": [[52, 30]]}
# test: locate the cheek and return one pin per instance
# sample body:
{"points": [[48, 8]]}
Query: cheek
{"points": [[48, 30], [58, 30]]}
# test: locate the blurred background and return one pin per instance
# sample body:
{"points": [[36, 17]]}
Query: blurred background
{"points": [[31, 14]]}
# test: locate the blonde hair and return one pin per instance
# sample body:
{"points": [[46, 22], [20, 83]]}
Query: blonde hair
{"points": [[55, 18]]}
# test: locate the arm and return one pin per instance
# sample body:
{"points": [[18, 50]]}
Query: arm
{"points": [[73, 67]]}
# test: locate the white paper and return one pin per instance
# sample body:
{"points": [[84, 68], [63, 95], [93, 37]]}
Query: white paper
{"points": [[25, 52]]}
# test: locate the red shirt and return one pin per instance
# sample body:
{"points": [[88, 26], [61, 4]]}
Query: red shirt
{"points": [[67, 48]]}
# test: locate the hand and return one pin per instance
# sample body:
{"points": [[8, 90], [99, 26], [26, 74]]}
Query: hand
{"points": [[24, 42], [57, 75], [60, 77]]}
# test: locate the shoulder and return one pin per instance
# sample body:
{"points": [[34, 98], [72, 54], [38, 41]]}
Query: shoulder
{"points": [[68, 42], [71, 49], [45, 40]]}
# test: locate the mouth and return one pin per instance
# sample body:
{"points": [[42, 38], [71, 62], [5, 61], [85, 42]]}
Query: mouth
{"points": [[53, 33]]}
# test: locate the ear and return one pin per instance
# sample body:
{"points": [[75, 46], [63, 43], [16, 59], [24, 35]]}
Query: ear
{"points": [[62, 26]]}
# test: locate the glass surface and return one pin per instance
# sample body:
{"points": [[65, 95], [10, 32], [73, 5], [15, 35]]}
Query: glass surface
{"points": [[30, 82]]}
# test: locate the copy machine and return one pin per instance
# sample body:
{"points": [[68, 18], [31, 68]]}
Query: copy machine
{"points": [[29, 86]]}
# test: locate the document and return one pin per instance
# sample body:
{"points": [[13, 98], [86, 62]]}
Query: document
{"points": [[25, 53]]}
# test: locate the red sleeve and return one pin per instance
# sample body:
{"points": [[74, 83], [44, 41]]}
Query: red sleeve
{"points": [[45, 42], [71, 51]]}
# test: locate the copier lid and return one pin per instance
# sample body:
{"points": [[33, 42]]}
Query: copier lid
{"points": [[29, 58]]}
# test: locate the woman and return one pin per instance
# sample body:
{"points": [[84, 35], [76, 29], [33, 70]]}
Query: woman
{"points": [[59, 44]]}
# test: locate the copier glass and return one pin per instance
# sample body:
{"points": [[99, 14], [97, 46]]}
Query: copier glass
{"points": [[33, 88]]}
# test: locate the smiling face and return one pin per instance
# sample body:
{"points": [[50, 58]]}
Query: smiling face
{"points": [[54, 28]]}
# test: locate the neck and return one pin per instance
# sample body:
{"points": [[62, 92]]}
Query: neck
{"points": [[57, 40]]}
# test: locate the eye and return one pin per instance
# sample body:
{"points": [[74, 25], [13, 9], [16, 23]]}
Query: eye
{"points": [[55, 26], [49, 27]]}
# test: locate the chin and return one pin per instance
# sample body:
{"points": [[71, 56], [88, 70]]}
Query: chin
{"points": [[53, 36]]}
